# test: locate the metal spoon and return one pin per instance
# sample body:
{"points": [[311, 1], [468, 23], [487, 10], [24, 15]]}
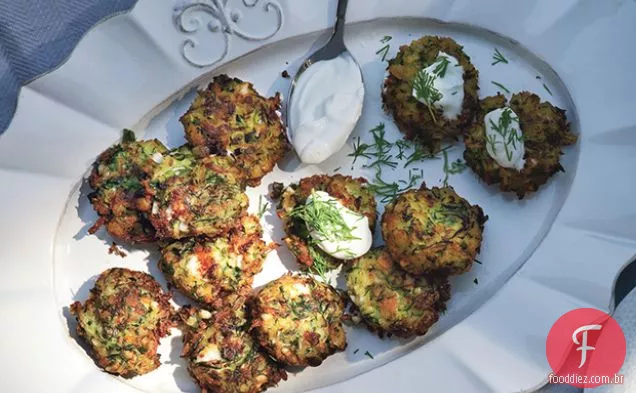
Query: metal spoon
{"points": [[334, 48]]}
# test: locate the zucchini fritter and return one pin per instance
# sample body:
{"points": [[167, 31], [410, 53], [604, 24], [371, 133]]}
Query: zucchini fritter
{"points": [[414, 118], [122, 321], [119, 195], [433, 231], [298, 320], [197, 197], [352, 193], [217, 272], [392, 301], [222, 356], [230, 117], [545, 132]]}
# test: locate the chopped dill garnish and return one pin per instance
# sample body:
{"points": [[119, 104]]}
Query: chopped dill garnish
{"points": [[547, 88], [498, 58], [390, 191], [320, 265], [455, 167], [386, 39], [383, 51], [402, 145], [508, 133], [337, 169], [382, 148], [323, 218], [421, 153], [368, 354], [441, 67], [502, 87], [359, 150], [425, 91], [476, 281], [262, 208], [356, 351], [478, 262]]}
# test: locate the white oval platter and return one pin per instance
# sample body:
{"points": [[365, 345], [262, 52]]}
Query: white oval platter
{"points": [[557, 250]]}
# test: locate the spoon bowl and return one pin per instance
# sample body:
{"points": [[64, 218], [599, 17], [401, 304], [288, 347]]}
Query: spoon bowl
{"points": [[332, 49]]}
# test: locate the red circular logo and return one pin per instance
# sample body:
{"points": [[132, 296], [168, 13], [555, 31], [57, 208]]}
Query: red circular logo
{"points": [[586, 348]]}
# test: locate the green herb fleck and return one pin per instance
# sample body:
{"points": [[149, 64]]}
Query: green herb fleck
{"points": [[384, 51], [476, 281], [499, 85], [356, 351], [547, 88], [478, 261], [386, 39], [368, 354], [337, 169], [128, 136], [498, 58], [262, 207], [455, 167]]}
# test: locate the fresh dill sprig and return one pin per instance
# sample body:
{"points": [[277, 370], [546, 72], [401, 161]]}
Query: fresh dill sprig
{"points": [[389, 191], [356, 351], [386, 39], [323, 218], [425, 91], [498, 58], [453, 168], [441, 65], [402, 145], [381, 149], [368, 354], [547, 89], [502, 87], [359, 150], [384, 51], [509, 134], [421, 153], [262, 208]]}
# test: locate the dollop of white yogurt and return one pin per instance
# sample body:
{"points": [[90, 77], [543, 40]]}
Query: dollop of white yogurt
{"points": [[358, 223], [325, 107], [504, 138], [448, 80]]}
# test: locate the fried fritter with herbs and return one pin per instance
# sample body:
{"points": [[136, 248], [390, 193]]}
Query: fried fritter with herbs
{"points": [[416, 120], [222, 356], [122, 321], [230, 117], [298, 320], [119, 195], [433, 231], [546, 132], [197, 197], [353, 194], [217, 272], [391, 301]]}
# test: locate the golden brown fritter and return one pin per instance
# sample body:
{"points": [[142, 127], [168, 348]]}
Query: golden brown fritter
{"points": [[119, 195], [298, 320], [433, 231], [414, 118], [217, 272], [201, 197], [545, 132], [352, 193], [391, 301], [222, 356], [122, 321], [231, 117]]}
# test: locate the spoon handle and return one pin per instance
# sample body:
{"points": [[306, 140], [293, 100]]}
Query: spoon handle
{"points": [[338, 33]]}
